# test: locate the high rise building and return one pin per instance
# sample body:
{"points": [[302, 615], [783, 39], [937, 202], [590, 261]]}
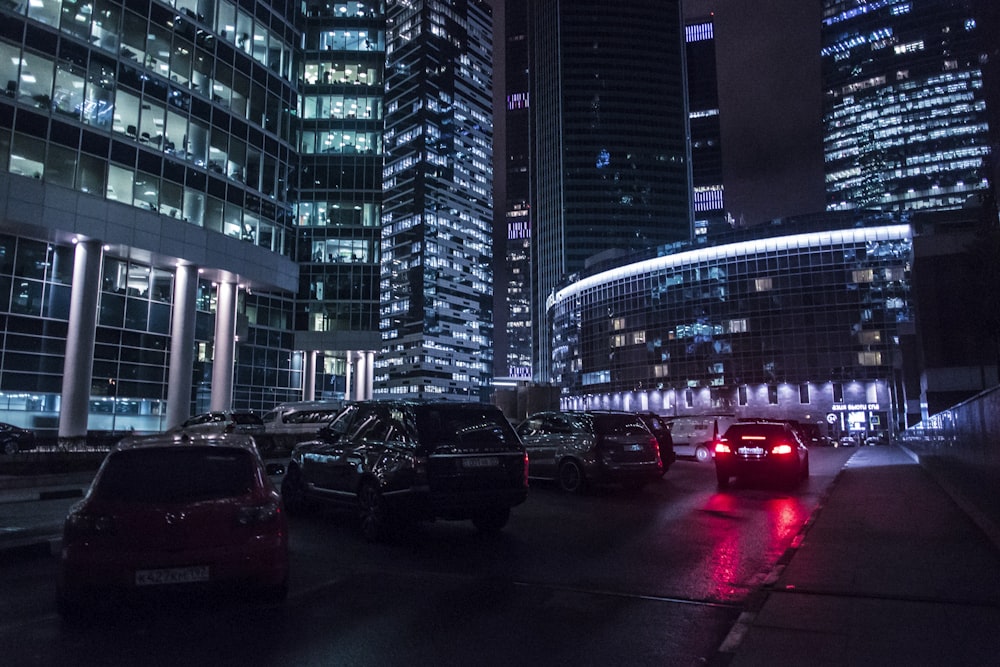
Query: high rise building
{"points": [[436, 274], [145, 155], [703, 113], [904, 112], [609, 159], [338, 198], [515, 344]]}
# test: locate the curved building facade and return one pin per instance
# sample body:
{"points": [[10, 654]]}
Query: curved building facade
{"points": [[797, 321], [145, 159]]}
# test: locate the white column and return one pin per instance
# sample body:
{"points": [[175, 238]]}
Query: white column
{"points": [[348, 376], [309, 376], [369, 374], [225, 348], [78, 364], [179, 377], [360, 373]]}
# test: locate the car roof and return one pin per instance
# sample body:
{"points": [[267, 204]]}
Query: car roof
{"points": [[230, 440]]}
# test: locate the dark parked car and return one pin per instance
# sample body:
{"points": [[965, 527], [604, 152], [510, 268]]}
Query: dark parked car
{"points": [[579, 448], [15, 439], [660, 429], [400, 461], [175, 514], [770, 450]]}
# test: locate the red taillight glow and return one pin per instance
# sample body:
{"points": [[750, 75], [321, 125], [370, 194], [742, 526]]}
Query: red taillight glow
{"points": [[781, 449], [722, 448], [258, 513]]}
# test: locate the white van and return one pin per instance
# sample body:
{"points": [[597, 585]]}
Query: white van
{"points": [[291, 423], [693, 434]]}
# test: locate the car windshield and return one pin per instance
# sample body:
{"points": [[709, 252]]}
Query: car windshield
{"points": [[175, 474], [246, 418], [465, 428]]}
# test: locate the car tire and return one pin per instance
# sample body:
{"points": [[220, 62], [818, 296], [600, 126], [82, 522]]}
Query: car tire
{"points": [[373, 516], [703, 454], [571, 479], [805, 470], [10, 447], [293, 492], [722, 479]]}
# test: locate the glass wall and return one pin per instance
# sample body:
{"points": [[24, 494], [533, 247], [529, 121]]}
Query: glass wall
{"points": [[146, 105]]}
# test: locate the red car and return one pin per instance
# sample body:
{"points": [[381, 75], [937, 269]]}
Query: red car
{"points": [[175, 513]]}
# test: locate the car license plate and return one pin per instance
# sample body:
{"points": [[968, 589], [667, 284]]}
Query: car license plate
{"points": [[633, 448], [481, 462], [171, 575], [751, 451]]}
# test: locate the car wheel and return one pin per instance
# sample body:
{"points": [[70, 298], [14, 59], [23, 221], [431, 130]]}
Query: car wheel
{"points": [[10, 447], [805, 470], [293, 492], [571, 477], [491, 520], [722, 478], [703, 454], [372, 514]]}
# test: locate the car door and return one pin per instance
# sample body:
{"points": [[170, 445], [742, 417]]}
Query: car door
{"points": [[330, 466], [542, 436]]}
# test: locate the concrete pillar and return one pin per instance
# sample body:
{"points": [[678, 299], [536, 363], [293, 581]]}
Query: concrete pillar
{"points": [[225, 348], [182, 346], [78, 365], [309, 376], [369, 374], [349, 377]]}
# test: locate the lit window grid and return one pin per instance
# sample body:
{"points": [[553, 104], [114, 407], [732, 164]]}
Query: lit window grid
{"points": [[713, 328], [106, 96]]}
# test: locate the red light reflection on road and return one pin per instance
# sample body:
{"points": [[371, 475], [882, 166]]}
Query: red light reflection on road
{"points": [[787, 515], [724, 560], [731, 561]]}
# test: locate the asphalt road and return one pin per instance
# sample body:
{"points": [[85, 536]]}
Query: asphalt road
{"points": [[656, 577]]}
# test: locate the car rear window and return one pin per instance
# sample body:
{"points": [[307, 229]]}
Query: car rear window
{"points": [[470, 429], [175, 474], [629, 425], [768, 431]]}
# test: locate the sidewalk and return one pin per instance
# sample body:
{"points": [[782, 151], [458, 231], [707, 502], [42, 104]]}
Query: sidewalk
{"points": [[891, 570]]}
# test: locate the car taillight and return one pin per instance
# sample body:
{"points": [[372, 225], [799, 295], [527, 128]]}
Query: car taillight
{"points": [[721, 447], [258, 513], [82, 524], [781, 449]]}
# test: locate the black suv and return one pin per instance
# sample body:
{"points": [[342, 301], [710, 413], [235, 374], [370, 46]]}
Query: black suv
{"points": [[399, 461]]}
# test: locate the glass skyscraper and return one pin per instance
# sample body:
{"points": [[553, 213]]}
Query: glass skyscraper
{"points": [[905, 117], [515, 346], [338, 198], [706, 133], [436, 272], [610, 163]]}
